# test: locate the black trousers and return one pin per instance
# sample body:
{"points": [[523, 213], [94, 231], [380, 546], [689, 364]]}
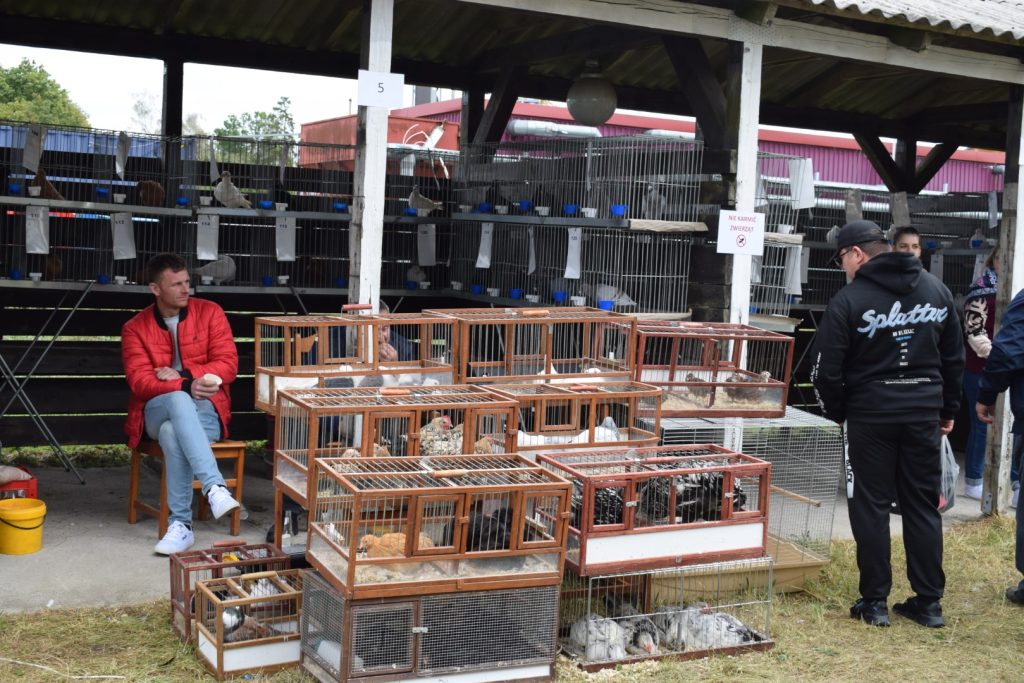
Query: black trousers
{"points": [[896, 462]]}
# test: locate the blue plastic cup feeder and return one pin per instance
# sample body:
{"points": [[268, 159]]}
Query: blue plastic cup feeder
{"points": [[525, 205], [181, 201], [516, 293], [267, 280], [103, 192], [14, 188], [559, 297], [976, 243], [17, 275], [266, 204], [411, 284], [606, 304], [409, 211], [103, 279], [340, 207], [754, 309], [476, 289], [341, 282], [485, 207], [931, 245], [619, 210], [570, 209]]}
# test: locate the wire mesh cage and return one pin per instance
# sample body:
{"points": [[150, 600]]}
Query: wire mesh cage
{"points": [[806, 455], [581, 415], [649, 508], [415, 253], [388, 421], [494, 635], [221, 561], [249, 623], [385, 350], [403, 526], [418, 181], [715, 369], [572, 344], [958, 269], [775, 275], [690, 612]]}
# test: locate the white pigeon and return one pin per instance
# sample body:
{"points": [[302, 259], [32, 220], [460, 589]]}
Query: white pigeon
{"points": [[230, 196], [600, 639], [654, 204], [603, 292], [832, 236], [418, 201], [222, 270], [708, 629], [415, 274]]}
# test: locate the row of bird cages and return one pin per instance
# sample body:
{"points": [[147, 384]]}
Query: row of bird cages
{"points": [[957, 268], [404, 526], [541, 344], [662, 506], [715, 369], [805, 452], [959, 217], [775, 278], [350, 351], [385, 421], [627, 270], [494, 635], [250, 622], [418, 182], [684, 613], [618, 177], [415, 254], [224, 560], [604, 413]]}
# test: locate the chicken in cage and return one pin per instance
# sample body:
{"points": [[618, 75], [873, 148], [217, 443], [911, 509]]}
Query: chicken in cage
{"points": [[806, 455], [250, 622], [690, 612], [488, 635], [581, 415], [715, 369], [386, 421], [561, 345], [347, 351], [402, 526], [225, 559], [662, 506]]}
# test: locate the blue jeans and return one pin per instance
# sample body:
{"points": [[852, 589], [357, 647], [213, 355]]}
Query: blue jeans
{"points": [[974, 451], [185, 428]]}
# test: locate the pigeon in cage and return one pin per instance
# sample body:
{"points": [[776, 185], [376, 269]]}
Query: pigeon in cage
{"points": [[240, 627], [222, 270], [738, 387], [604, 292], [47, 190], [415, 274], [709, 629], [150, 193], [227, 194], [418, 201], [670, 622], [654, 204], [599, 638], [54, 267], [643, 636]]}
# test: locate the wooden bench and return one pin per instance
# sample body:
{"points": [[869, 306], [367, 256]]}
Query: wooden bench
{"points": [[222, 450]]}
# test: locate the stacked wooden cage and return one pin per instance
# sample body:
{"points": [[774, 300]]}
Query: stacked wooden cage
{"points": [[650, 508], [715, 369], [538, 344], [384, 350], [249, 622], [224, 560]]}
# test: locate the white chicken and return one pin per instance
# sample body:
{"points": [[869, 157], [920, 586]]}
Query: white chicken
{"points": [[708, 629], [669, 620], [600, 639], [230, 196]]}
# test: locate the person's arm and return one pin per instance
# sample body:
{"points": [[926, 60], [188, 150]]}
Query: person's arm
{"points": [[830, 346], [951, 354], [139, 370], [221, 354], [1007, 356]]}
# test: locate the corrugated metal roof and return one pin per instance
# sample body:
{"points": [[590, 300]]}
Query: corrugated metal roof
{"points": [[998, 17]]}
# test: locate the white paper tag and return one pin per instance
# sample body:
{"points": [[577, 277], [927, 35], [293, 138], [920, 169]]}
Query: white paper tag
{"points": [[380, 89], [284, 229], [37, 230], [34, 139], [760, 192], [207, 236], [755, 269], [979, 266], [531, 258], [214, 169], [805, 264], [801, 183], [123, 234], [993, 209], [794, 269], [936, 265], [573, 253], [483, 256], [121, 156], [426, 244]]}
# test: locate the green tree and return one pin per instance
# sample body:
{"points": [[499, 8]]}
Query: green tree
{"points": [[29, 93], [265, 130]]}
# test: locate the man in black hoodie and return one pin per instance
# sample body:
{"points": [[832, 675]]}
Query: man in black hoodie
{"points": [[888, 362]]}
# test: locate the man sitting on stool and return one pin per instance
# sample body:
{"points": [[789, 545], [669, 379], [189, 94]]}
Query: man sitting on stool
{"points": [[179, 359]]}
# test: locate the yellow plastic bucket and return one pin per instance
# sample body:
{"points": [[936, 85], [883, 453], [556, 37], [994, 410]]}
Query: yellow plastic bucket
{"points": [[21, 525]]}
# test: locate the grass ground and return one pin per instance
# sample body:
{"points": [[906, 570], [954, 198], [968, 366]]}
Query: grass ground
{"points": [[815, 639]]}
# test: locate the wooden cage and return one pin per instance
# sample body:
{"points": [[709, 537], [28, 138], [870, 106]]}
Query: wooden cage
{"points": [[249, 623], [581, 415], [226, 558], [558, 344], [389, 421], [403, 526], [389, 349], [715, 369], [648, 508], [479, 636]]}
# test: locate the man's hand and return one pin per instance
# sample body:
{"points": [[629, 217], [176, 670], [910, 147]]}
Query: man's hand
{"points": [[388, 352], [945, 426], [984, 412], [165, 374], [203, 388]]}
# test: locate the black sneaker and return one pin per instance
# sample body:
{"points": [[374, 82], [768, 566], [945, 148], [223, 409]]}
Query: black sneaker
{"points": [[873, 612], [1015, 594], [926, 613]]}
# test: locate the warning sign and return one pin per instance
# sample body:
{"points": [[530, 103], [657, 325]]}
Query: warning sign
{"points": [[740, 233]]}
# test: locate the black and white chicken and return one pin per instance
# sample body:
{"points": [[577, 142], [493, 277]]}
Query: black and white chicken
{"points": [[642, 636], [709, 629]]}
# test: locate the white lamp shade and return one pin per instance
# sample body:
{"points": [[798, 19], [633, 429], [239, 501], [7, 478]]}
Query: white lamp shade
{"points": [[591, 99]]}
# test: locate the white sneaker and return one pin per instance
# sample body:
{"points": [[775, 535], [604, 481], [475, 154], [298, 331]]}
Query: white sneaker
{"points": [[221, 501], [178, 538], [973, 491]]}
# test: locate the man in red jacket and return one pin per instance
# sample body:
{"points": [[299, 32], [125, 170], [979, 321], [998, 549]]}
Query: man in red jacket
{"points": [[179, 359]]}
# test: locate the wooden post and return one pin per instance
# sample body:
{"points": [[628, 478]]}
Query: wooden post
{"points": [[366, 232], [746, 172]]}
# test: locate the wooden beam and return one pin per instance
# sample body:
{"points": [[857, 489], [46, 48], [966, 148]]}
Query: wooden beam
{"points": [[587, 41], [910, 38], [174, 84], [699, 85], [883, 164], [930, 165], [499, 108], [472, 114], [905, 157], [757, 11], [962, 113]]}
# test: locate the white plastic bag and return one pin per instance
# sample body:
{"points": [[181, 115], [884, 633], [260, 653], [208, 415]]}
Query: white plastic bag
{"points": [[950, 472]]}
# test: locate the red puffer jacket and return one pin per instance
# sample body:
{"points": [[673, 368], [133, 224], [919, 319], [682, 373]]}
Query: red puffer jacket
{"points": [[205, 345]]}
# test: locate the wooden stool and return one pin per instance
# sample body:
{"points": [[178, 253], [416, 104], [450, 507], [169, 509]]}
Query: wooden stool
{"points": [[222, 450]]}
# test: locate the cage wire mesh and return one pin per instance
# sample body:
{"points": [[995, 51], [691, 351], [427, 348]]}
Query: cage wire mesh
{"points": [[433, 634], [806, 455], [694, 611]]}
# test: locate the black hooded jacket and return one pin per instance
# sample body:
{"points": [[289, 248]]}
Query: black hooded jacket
{"points": [[889, 347]]}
